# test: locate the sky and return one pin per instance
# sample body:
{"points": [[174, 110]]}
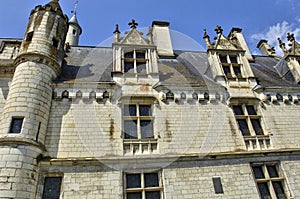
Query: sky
{"points": [[259, 19]]}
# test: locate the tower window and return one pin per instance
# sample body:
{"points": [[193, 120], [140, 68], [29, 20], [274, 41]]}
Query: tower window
{"points": [[29, 36], [74, 32], [55, 42], [52, 186], [16, 125]]}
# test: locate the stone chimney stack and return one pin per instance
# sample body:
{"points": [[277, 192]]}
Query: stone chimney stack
{"points": [[266, 49], [162, 38], [237, 33]]}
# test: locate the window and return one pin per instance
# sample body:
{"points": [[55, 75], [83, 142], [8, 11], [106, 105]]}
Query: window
{"points": [[135, 61], [249, 123], [138, 132], [230, 66], [29, 36], [74, 32], [138, 121], [52, 186], [269, 181], [218, 185], [143, 186], [16, 125], [55, 42]]}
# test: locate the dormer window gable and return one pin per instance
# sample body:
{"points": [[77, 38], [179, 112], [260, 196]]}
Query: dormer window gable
{"points": [[133, 54], [292, 55], [231, 56]]}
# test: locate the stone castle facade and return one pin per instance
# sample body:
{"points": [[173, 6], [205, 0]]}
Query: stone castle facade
{"points": [[142, 120]]}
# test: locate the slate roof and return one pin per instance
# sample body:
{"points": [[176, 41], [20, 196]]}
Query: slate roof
{"points": [[94, 64]]}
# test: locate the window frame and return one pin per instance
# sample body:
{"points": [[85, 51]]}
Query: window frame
{"points": [[135, 60], [253, 140], [54, 175], [268, 179], [143, 189], [138, 118], [12, 125], [231, 65]]}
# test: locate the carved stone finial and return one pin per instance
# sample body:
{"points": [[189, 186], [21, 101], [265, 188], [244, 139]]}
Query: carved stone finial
{"points": [[282, 45], [290, 37], [205, 33], [219, 29], [117, 29], [133, 24]]}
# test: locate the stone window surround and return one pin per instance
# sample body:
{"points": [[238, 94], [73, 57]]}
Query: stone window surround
{"points": [[52, 175], [268, 178], [13, 121], [233, 66], [140, 146], [142, 188], [252, 141], [135, 60]]}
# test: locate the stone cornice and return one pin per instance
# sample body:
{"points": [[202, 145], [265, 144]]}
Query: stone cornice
{"points": [[21, 141], [39, 58]]}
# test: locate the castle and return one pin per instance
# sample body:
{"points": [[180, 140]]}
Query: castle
{"points": [[140, 120]]}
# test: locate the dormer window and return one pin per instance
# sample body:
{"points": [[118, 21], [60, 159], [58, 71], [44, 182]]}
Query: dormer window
{"points": [[230, 65], [135, 61]]}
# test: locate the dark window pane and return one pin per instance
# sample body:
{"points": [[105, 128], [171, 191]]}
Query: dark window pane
{"points": [[218, 185], [128, 55], [129, 110], [233, 59], [16, 125], [130, 129], [140, 55], [147, 129], [226, 70], [279, 191], [256, 126], [223, 58], [264, 190], [141, 67], [145, 110], [238, 110], [128, 67], [55, 42], [243, 127], [251, 110], [74, 32], [151, 180], [29, 36], [258, 172], [272, 170], [52, 187], [134, 195], [133, 181], [237, 71], [153, 195]]}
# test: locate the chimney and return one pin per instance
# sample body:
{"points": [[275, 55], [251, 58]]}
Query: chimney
{"points": [[266, 49], [162, 38], [237, 33]]}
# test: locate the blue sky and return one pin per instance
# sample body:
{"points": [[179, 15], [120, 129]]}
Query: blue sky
{"points": [[259, 19]]}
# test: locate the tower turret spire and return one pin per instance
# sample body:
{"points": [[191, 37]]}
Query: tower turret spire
{"points": [[75, 29]]}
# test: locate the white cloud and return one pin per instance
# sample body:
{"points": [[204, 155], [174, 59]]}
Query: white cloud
{"points": [[274, 32]]}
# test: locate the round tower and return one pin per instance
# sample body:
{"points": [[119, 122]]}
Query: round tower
{"points": [[74, 31], [25, 115]]}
